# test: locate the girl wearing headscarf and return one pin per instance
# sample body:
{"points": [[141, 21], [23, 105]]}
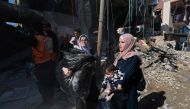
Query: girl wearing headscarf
{"points": [[128, 63], [84, 44]]}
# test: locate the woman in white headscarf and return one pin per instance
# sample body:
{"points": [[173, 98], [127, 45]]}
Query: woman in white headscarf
{"points": [[84, 44]]}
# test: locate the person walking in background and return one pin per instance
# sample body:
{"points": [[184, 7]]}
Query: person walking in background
{"points": [[47, 30], [65, 45], [74, 39], [127, 63], [83, 44], [44, 64]]}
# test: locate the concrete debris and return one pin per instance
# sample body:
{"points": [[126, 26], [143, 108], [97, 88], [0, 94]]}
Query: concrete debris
{"points": [[165, 69]]}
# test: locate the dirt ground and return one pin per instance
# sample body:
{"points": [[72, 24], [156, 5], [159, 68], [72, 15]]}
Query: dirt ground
{"points": [[166, 90]]}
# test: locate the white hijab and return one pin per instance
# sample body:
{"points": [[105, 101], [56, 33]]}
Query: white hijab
{"points": [[86, 48]]}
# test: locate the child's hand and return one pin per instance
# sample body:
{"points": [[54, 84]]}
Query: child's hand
{"points": [[108, 88], [108, 98], [119, 87], [67, 71]]}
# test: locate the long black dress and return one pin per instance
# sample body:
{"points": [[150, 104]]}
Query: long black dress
{"points": [[127, 99]]}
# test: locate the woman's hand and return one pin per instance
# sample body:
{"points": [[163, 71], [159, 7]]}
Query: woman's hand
{"points": [[66, 71]]}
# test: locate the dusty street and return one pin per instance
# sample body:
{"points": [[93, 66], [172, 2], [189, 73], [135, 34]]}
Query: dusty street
{"points": [[167, 90]]}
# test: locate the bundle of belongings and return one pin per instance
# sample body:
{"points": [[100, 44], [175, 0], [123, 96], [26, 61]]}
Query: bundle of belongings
{"points": [[82, 82]]}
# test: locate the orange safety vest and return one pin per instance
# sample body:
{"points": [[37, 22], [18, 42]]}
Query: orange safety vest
{"points": [[40, 53]]}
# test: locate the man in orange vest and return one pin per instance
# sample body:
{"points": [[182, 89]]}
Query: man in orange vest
{"points": [[45, 66]]}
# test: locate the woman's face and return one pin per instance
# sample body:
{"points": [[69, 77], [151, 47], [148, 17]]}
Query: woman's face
{"points": [[83, 41], [122, 44]]}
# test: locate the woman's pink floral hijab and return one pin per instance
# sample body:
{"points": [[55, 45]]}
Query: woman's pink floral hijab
{"points": [[128, 52]]}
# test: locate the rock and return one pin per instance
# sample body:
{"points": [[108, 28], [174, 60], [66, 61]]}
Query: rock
{"points": [[168, 67]]}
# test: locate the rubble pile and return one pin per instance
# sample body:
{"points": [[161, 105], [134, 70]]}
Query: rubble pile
{"points": [[166, 72], [160, 62]]}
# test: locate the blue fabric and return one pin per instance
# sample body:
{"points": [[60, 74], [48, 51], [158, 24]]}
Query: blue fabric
{"points": [[184, 29], [103, 105]]}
